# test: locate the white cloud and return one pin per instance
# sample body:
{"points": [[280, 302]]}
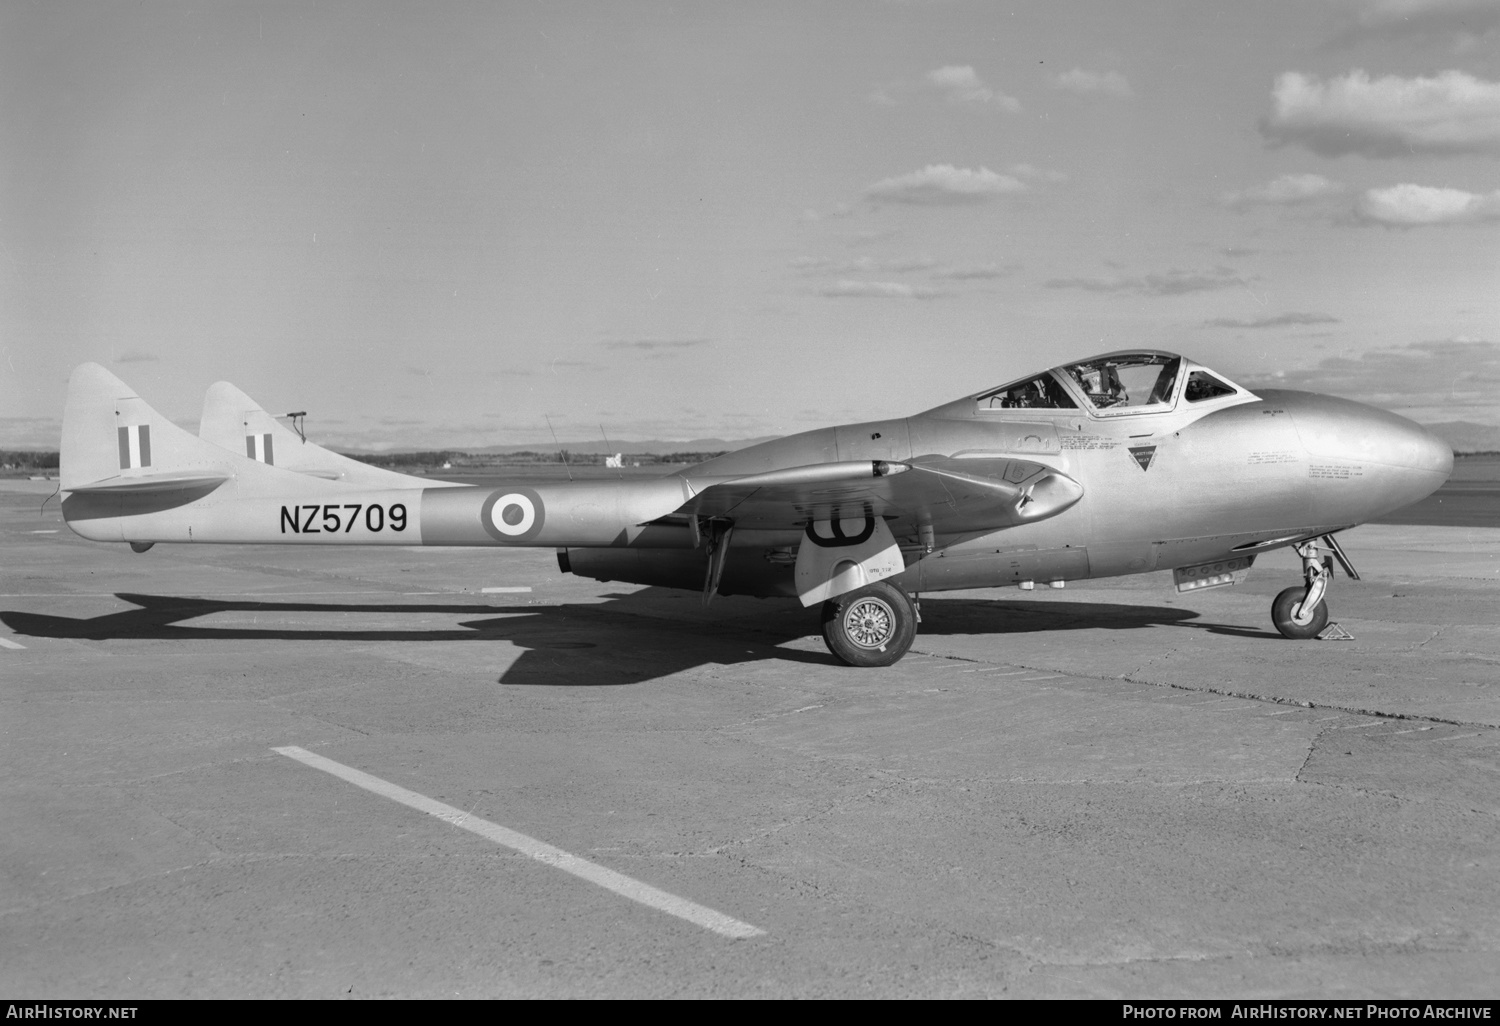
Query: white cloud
{"points": [[1409, 206], [1452, 112], [1164, 283], [975, 272], [879, 290], [1285, 320], [1285, 191], [653, 344], [1375, 12], [1453, 378], [1467, 19], [815, 266], [862, 265], [944, 185], [959, 83], [1110, 83]]}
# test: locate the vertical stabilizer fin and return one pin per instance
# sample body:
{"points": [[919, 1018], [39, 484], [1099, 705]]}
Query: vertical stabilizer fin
{"points": [[113, 438], [234, 421]]}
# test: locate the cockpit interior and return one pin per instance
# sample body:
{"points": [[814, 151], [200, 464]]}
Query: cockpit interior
{"points": [[1114, 384]]}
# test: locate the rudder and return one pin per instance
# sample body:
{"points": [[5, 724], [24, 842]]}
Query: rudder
{"points": [[112, 435]]}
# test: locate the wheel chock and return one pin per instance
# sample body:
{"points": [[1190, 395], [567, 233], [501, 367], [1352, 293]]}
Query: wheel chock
{"points": [[1334, 632]]}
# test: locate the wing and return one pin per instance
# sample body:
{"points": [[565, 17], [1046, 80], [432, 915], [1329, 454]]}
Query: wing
{"points": [[952, 495]]}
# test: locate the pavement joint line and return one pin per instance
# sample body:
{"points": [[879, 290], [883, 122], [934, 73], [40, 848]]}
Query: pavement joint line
{"points": [[1312, 748], [1301, 704], [1131, 678], [619, 883]]}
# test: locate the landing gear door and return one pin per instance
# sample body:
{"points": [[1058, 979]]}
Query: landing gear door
{"points": [[837, 556]]}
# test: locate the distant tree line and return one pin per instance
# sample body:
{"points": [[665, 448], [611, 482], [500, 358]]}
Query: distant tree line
{"points": [[407, 459], [24, 460]]}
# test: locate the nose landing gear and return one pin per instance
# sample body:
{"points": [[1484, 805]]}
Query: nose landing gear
{"points": [[1301, 613]]}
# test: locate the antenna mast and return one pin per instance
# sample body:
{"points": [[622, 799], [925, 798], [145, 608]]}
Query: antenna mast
{"points": [[560, 450]]}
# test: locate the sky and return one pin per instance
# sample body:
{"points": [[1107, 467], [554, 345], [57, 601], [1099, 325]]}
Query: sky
{"points": [[447, 224]]}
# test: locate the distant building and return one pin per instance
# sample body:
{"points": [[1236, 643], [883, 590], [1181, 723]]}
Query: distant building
{"points": [[617, 460]]}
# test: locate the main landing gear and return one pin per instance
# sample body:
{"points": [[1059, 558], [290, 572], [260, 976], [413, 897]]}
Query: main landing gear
{"points": [[870, 626], [1301, 613]]}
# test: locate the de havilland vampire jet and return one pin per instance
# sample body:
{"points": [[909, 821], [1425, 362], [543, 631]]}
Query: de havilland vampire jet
{"points": [[1124, 463]]}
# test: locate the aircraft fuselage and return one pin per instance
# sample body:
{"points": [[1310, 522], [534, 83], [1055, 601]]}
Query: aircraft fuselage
{"points": [[1160, 490]]}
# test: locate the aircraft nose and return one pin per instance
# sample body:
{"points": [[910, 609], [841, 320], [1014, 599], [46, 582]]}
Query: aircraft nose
{"points": [[1395, 457], [1345, 430], [1430, 453]]}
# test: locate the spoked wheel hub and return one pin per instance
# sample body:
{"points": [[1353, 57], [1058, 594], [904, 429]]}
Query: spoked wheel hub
{"points": [[870, 626], [870, 622]]}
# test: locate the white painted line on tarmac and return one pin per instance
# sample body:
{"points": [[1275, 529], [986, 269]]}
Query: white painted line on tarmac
{"points": [[226, 596], [619, 883], [505, 591], [1055, 676], [42, 532], [7, 643]]}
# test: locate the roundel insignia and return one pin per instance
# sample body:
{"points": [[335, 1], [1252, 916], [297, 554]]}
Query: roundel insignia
{"points": [[513, 514]]}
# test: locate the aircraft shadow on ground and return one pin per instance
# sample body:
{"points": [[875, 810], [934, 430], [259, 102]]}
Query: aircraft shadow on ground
{"points": [[567, 645], [1007, 616], [613, 642]]}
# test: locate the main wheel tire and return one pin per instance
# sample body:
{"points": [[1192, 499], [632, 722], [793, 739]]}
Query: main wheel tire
{"points": [[1286, 604], [870, 626]]}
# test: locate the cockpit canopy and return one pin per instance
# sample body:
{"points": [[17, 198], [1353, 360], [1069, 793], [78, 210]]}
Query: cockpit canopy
{"points": [[1115, 384]]}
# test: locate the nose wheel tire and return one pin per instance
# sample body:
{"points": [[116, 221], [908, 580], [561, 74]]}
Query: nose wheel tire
{"points": [[870, 626], [1284, 615]]}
